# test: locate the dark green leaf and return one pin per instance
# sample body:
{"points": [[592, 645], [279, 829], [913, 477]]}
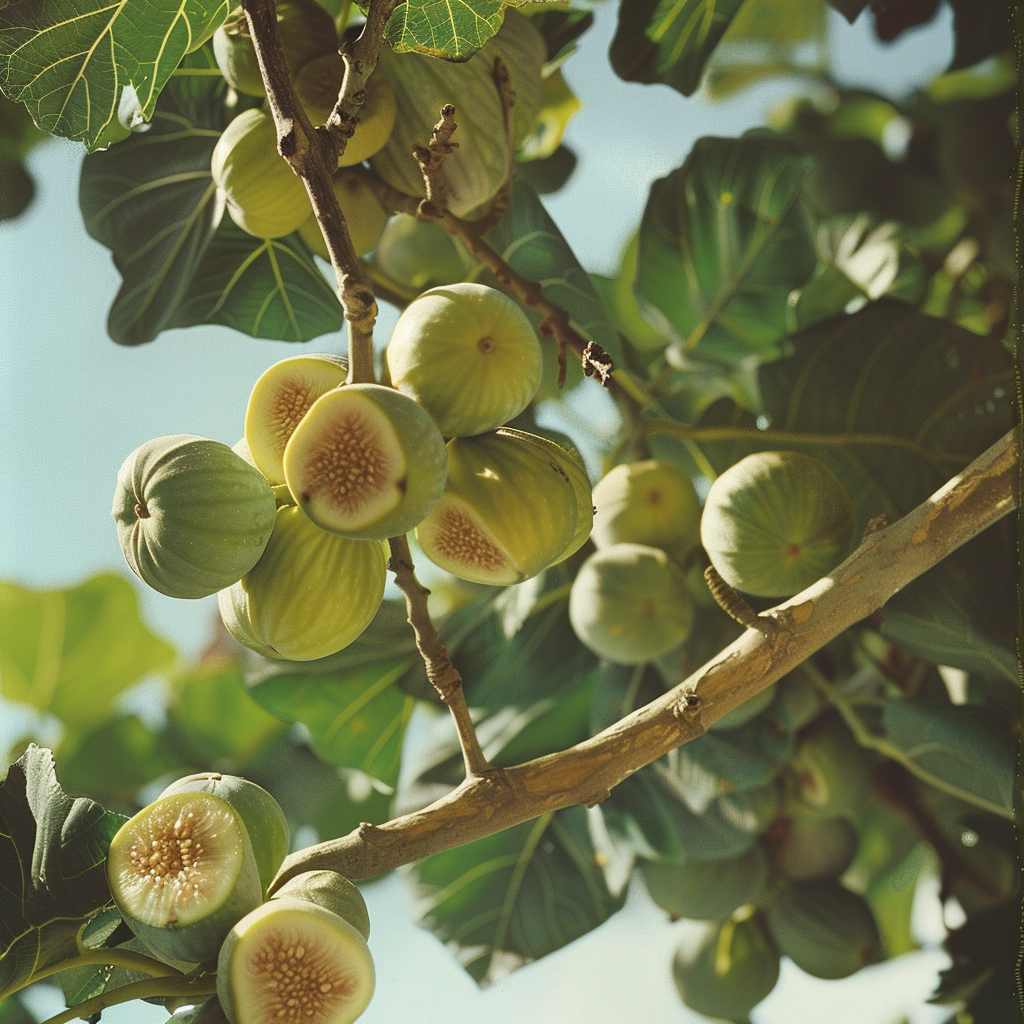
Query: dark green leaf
{"points": [[14, 1011], [70, 653], [354, 800], [669, 41], [981, 29], [550, 173], [514, 897], [452, 29], [17, 189], [849, 9], [747, 756], [81, 68], [53, 861]]}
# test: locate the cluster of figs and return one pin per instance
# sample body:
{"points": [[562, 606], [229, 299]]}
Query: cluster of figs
{"points": [[190, 875]]}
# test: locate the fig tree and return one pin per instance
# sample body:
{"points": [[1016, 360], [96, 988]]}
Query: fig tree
{"points": [[629, 603], [366, 462], [192, 516], [310, 595], [468, 354], [364, 216], [182, 872], [775, 522], [331, 891]]}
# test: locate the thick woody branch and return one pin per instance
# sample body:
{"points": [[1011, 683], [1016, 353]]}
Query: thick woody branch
{"points": [[585, 774]]}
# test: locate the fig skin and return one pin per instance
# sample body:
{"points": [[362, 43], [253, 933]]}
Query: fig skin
{"points": [[333, 892], [419, 254], [366, 462], [192, 516], [364, 216], [310, 595], [468, 354], [263, 195], [776, 522], [629, 604]]}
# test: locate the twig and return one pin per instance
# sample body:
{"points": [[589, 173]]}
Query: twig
{"points": [[431, 159], [584, 774], [115, 957]]}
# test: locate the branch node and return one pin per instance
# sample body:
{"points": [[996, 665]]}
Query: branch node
{"points": [[875, 523], [688, 707], [368, 831], [597, 363], [728, 600]]}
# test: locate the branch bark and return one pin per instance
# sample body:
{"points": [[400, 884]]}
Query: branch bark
{"points": [[782, 638]]}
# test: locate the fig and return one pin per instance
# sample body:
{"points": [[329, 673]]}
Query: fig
{"points": [[279, 399], [508, 510], [775, 522], [805, 850], [651, 502], [728, 970], [182, 872], [307, 32], [290, 960], [311, 594], [630, 604], [263, 195], [366, 462], [317, 86], [707, 890], [331, 891], [264, 820], [192, 516], [418, 253], [823, 927], [364, 216], [468, 355], [422, 84]]}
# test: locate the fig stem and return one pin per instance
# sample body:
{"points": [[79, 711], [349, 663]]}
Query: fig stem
{"points": [[126, 958], [443, 675], [158, 987], [973, 500]]}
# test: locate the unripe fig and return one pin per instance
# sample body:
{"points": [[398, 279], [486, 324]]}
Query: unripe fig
{"points": [[279, 399], [364, 216], [331, 891], [805, 850], [307, 32], [310, 595], [707, 890], [211, 1012], [824, 928], [508, 510], [629, 603], [467, 353], [192, 516], [317, 86], [366, 462], [182, 872], [728, 971], [651, 502], [263, 195], [261, 814], [775, 522], [290, 960], [418, 253]]}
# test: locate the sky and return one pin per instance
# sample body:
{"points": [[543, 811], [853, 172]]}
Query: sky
{"points": [[73, 405]]}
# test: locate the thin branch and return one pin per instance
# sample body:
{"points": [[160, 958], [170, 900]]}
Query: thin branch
{"points": [[431, 159], [585, 774], [126, 958], [152, 987]]}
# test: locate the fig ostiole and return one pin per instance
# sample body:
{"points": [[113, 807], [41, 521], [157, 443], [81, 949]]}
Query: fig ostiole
{"points": [[291, 960], [497, 484], [264, 820], [182, 872], [468, 354], [279, 399], [333, 892], [310, 595], [776, 522], [364, 216], [366, 462], [629, 604], [192, 516]]}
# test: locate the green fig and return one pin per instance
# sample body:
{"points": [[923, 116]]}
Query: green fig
{"points": [[808, 849], [331, 891], [418, 253], [364, 216]]}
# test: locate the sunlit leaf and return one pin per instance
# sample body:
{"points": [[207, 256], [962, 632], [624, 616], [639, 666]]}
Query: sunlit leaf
{"points": [[452, 29]]}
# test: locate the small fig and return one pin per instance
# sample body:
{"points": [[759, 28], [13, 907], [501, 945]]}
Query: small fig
{"points": [[366, 462], [418, 253], [808, 849], [262, 815], [292, 960], [310, 595], [182, 872], [364, 216], [507, 512], [279, 399], [192, 516], [629, 603], [331, 891], [651, 502], [307, 31], [775, 522], [263, 194]]}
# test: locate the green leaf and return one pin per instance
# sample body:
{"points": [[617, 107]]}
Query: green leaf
{"points": [[669, 41], [452, 29], [53, 861], [14, 1011], [964, 744], [849, 9], [620, 302], [70, 653], [512, 898], [744, 757], [723, 241], [82, 67]]}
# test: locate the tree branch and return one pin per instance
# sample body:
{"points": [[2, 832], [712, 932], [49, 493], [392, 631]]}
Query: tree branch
{"points": [[585, 774]]}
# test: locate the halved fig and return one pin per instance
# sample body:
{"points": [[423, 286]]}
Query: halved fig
{"points": [[333, 892]]}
